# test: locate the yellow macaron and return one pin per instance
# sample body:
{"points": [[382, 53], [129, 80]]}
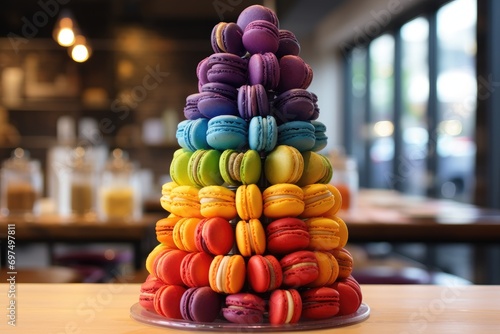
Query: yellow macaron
{"points": [[284, 164], [217, 201], [249, 202], [165, 199], [185, 201], [250, 237], [283, 200], [323, 233], [328, 270], [318, 199]]}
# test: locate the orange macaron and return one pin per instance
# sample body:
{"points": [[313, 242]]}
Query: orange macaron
{"points": [[227, 273], [184, 234], [248, 202], [250, 237], [165, 230]]}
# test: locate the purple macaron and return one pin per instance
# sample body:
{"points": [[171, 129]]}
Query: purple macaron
{"points": [[244, 308], [294, 73], [293, 105], [221, 88], [264, 69], [227, 37], [215, 104], [252, 101], [227, 68], [288, 44], [191, 110], [200, 304], [261, 36], [256, 12], [201, 71]]}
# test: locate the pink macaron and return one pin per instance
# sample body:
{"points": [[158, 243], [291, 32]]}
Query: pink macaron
{"points": [[244, 308]]}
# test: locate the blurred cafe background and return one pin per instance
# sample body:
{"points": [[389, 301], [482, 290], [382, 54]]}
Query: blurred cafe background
{"points": [[91, 92]]}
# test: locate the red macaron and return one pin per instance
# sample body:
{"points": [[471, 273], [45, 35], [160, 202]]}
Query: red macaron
{"points": [[350, 295], [167, 301], [214, 236], [244, 308], [320, 303], [148, 291], [194, 269], [285, 307], [299, 268], [264, 273], [167, 266], [287, 235]]}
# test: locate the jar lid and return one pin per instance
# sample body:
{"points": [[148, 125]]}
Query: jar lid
{"points": [[20, 161]]}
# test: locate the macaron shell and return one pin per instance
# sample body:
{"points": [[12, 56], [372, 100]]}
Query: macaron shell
{"points": [[244, 308], [248, 201], [250, 167], [185, 202], [165, 231], [250, 237], [284, 164], [345, 262], [264, 273], [261, 36], [294, 73], [203, 168], [184, 234], [283, 200], [227, 132], [287, 235], [285, 306], [328, 269], [288, 44], [317, 199], [323, 233], [262, 133], [299, 134], [168, 267], [217, 201], [194, 269], [167, 301], [299, 268], [179, 167], [338, 200], [227, 273], [256, 12], [350, 296], [214, 236], [320, 303], [200, 304]]}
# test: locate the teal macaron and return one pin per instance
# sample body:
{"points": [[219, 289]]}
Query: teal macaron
{"points": [[320, 134], [227, 132], [299, 134], [262, 133]]}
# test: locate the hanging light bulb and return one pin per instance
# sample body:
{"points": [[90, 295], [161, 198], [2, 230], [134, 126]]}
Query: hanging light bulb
{"points": [[80, 51], [65, 29]]}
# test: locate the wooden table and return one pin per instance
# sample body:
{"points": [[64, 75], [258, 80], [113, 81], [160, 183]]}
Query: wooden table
{"points": [[105, 308], [51, 229]]}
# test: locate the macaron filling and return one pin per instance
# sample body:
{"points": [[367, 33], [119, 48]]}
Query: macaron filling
{"points": [[222, 273], [290, 308], [300, 265], [272, 274], [317, 197]]}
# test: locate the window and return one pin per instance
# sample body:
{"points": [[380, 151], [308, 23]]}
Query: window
{"points": [[411, 102]]}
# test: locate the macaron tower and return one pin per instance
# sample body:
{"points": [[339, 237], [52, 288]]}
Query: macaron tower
{"points": [[252, 233]]}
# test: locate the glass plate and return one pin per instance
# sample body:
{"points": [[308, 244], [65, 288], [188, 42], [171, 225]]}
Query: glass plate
{"points": [[140, 314]]}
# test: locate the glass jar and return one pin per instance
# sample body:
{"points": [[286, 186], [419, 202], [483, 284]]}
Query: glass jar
{"points": [[119, 196], [21, 184], [345, 178]]}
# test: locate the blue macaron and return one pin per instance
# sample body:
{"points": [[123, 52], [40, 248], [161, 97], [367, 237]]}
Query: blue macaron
{"points": [[320, 134], [299, 134], [227, 132], [262, 133], [191, 134]]}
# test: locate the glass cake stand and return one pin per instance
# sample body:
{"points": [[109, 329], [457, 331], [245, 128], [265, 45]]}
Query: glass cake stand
{"points": [[140, 314]]}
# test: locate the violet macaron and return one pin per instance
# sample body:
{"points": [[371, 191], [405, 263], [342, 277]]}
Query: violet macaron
{"points": [[201, 72], [256, 12], [191, 110], [261, 36], [294, 73], [227, 37], [200, 304], [227, 68], [215, 104], [264, 69], [252, 101], [293, 105], [244, 308], [288, 45]]}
